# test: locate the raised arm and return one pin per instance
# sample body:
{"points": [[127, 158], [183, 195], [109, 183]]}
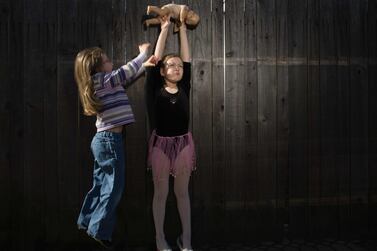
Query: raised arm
{"points": [[185, 50], [132, 68], [128, 72], [160, 46], [125, 73]]}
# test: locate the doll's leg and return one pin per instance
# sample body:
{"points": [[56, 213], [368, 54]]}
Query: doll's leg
{"points": [[152, 21], [157, 10]]}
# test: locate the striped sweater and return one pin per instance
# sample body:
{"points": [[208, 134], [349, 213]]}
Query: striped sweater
{"points": [[109, 88]]}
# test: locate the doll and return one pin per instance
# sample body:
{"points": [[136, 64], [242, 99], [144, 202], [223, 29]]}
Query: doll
{"points": [[178, 12]]}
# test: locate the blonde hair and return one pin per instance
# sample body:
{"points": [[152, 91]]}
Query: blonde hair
{"points": [[87, 63]]}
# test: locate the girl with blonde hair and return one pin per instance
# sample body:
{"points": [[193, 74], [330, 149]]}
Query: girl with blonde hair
{"points": [[102, 93]]}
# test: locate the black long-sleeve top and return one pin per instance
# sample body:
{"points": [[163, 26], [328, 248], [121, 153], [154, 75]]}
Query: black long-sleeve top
{"points": [[169, 113]]}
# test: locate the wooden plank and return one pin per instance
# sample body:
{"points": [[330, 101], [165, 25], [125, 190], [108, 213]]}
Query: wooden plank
{"points": [[51, 188], [68, 169], [342, 116], [101, 12], [359, 117], [282, 77], [298, 114], [87, 36], [235, 124], [267, 93], [136, 220], [314, 119], [15, 53], [149, 35], [116, 48], [94, 25], [372, 116], [250, 227], [201, 114], [118, 32], [218, 122], [329, 134], [93, 29], [5, 127], [33, 115]]}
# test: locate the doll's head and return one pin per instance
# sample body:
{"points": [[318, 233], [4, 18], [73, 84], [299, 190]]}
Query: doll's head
{"points": [[192, 18]]}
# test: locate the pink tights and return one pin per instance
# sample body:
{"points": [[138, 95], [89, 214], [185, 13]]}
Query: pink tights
{"points": [[161, 169]]}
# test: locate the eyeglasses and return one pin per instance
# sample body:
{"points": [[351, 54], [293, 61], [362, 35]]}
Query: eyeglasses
{"points": [[179, 66]]}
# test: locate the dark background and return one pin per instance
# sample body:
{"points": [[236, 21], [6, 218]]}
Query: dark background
{"points": [[283, 113]]}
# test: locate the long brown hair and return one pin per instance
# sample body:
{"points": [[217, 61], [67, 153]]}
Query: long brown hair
{"points": [[87, 63]]}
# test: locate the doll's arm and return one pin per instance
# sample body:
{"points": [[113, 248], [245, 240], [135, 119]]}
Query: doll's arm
{"points": [[183, 13]]}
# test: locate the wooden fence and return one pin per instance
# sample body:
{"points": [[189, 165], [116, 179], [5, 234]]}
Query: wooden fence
{"points": [[283, 113]]}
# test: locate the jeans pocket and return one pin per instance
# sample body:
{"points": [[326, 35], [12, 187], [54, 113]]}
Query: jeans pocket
{"points": [[105, 155]]}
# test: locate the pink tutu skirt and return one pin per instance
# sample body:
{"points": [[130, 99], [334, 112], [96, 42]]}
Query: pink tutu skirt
{"points": [[179, 150]]}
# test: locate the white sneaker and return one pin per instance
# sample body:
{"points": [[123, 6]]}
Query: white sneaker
{"points": [[180, 244], [164, 249]]}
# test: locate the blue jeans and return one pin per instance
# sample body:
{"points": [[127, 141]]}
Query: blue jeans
{"points": [[98, 212]]}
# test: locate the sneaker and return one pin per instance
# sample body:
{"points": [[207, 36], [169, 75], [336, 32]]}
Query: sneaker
{"points": [[82, 227], [104, 243], [180, 244], [163, 249]]}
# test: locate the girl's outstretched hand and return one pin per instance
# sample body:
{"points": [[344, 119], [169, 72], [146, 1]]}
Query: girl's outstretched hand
{"points": [[144, 48], [151, 61], [165, 21]]}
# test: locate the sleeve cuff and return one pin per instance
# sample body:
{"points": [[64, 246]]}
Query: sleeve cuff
{"points": [[142, 56]]}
